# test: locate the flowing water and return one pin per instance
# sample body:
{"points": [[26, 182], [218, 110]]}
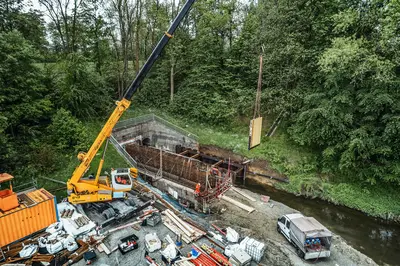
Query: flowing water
{"points": [[374, 237]]}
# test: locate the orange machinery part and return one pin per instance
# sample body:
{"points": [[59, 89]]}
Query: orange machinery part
{"points": [[25, 220], [8, 199], [203, 260]]}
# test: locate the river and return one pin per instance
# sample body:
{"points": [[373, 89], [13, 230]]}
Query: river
{"points": [[374, 237]]}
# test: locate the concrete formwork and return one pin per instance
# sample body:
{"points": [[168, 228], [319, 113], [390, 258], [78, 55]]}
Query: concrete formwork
{"points": [[151, 130], [183, 170], [169, 159]]}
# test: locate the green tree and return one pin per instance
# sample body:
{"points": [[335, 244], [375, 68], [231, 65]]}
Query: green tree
{"points": [[67, 132], [79, 88]]}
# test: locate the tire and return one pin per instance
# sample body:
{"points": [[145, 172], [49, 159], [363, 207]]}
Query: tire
{"points": [[108, 213], [278, 229], [300, 253], [131, 202]]}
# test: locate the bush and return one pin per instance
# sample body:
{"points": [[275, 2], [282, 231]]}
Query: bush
{"points": [[203, 106], [67, 132]]}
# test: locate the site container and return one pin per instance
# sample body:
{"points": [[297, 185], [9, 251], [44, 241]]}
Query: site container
{"points": [[36, 211]]}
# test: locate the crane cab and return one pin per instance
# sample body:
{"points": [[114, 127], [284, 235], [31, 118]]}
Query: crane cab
{"points": [[121, 179]]}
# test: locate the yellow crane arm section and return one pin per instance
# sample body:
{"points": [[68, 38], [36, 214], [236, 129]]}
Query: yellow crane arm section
{"points": [[87, 158]]}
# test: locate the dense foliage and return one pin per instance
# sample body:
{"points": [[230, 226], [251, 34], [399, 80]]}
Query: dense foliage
{"points": [[331, 68]]}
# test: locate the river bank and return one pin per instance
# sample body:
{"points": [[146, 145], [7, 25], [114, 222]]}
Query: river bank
{"points": [[377, 238], [261, 225], [377, 202]]}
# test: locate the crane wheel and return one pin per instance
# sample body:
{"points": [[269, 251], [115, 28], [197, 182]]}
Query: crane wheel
{"points": [[130, 202], [108, 213]]}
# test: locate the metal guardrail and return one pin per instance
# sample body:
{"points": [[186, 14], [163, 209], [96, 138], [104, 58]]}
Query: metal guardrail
{"points": [[153, 117], [123, 152]]}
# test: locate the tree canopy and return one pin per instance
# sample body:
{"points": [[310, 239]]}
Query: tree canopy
{"points": [[331, 68]]}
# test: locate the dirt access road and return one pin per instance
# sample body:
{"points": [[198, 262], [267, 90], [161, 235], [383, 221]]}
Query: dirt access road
{"points": [[261, 225]]}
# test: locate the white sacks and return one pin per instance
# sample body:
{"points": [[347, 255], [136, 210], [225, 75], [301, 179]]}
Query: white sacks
{"points": [[28, 251], [53, 228], [254, 248], [69, 243]]}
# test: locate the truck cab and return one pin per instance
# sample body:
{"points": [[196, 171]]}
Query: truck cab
{"points": [[310, 238], [283, 226]]}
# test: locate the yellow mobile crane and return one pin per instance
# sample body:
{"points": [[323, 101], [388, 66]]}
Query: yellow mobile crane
{"points": [[84, 190]]}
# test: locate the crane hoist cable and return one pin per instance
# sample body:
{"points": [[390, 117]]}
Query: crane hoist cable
{"points": [[256, 123], [257, 104]]}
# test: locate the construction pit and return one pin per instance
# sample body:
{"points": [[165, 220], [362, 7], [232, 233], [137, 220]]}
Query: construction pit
{"points": [[170, 166], [168, 158]]}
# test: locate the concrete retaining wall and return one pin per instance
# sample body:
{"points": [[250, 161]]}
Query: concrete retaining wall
{"points": [[155, 134]]}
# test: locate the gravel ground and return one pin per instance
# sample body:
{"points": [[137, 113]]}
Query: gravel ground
{"points": [[261, 225]]}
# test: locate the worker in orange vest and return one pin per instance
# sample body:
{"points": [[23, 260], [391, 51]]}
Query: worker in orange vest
{"points": [[197, 190]]}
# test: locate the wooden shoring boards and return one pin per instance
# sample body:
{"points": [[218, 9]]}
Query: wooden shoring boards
{"points": [[238, 204], [243, 194]]}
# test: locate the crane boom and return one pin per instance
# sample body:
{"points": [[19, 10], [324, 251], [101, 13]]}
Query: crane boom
{"points": [[82, 191]]}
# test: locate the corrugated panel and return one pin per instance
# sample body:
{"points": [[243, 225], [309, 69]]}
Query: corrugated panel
{"points": [[26, 221]]}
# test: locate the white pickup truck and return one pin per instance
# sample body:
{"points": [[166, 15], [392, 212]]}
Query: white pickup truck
{"points": [[310, 238]]}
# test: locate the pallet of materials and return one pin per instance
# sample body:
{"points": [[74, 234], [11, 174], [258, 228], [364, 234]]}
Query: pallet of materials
{"points": [[240, 258], [180, 227]]}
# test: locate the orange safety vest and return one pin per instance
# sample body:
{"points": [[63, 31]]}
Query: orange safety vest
{"points": [[197, 188]]}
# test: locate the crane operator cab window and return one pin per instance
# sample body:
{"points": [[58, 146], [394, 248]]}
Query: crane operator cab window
{"points": [[121, 179]]}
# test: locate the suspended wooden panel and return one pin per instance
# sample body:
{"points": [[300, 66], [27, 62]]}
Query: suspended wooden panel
{"points": [[255, 132]]}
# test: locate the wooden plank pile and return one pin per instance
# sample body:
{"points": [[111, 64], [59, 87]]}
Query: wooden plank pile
{"points": [[188, 232]]}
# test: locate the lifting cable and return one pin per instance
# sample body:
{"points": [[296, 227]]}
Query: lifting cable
{"points": [[257, 104]]}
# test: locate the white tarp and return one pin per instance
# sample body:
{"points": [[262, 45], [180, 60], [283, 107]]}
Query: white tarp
{"points": [[68, 224], [232, 235], [170, 252]]}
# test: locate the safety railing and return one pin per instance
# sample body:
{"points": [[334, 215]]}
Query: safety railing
{"points": [[152, 117], [123, 152]]}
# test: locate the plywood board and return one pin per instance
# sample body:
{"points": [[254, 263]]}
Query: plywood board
{"points": [[255, 132]]}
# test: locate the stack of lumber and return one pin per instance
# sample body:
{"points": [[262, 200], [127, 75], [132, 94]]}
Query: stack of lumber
{"points": [[237, 203], [188, 232]]}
